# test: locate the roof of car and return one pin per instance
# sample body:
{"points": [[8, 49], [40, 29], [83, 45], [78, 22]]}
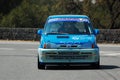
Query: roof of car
{"points": [[67, 16]]}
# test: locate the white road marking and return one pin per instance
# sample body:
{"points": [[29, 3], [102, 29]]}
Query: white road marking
{"points": [[7, 49], [18, 49], [19, 42], [102, 53], [110, 53], [32, 49], [109, 45]]}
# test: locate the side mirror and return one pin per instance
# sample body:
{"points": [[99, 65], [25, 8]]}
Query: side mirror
{"points": [[96, 31], [39, 32]]}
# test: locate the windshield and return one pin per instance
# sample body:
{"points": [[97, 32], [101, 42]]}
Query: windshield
{"points": [[68, 26]]}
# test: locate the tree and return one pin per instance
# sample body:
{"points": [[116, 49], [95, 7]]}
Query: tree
{"points": [[22, 16], [114, 11], [7, 5], [107, 14], [33, 13]]}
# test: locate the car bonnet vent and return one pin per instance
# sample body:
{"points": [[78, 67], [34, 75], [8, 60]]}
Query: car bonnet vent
{"points": [[62, 36]]}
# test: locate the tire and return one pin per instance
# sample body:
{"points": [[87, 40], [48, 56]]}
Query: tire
{"points": [[96, 65], [40, 66]]}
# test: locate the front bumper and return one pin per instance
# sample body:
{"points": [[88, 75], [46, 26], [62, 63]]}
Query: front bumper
{"points": [[68, 55]]}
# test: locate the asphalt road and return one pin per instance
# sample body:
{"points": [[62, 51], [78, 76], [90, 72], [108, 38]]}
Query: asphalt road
{"points": [[18, 61]]}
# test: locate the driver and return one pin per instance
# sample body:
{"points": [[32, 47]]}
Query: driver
{"points": [[68, 28]]}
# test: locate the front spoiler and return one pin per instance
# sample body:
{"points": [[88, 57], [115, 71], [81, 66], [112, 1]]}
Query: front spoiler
{"points": [[42, 52]]}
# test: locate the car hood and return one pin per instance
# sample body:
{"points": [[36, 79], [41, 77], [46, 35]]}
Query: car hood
{"points": [[68, 41]]}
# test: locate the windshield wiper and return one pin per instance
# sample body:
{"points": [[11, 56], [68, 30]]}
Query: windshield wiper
{"points": [[52, 33], [56, 33]]}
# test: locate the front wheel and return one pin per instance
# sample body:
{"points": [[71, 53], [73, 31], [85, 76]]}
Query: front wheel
{"points": [[96, 65], [40, 66]]}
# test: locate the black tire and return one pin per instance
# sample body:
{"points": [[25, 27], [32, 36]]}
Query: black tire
{"points": [[96, 65], [40, 66]]}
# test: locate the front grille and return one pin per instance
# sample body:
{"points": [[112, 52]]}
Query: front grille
{"points": [[70, 55], [68, 46]]}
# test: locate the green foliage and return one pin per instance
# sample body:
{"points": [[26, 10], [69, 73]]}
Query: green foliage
{"points": [[33, 13], [7, 5]]}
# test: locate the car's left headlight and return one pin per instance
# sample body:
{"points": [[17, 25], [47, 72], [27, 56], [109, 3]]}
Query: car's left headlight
{"points": [[49, 46]]}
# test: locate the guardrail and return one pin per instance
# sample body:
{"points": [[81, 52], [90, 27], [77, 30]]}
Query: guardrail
{"points": [[106, 35], [18, 34], [109, 36]]}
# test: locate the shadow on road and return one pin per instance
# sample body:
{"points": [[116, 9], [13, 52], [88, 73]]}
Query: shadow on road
{"points": [[109, 67], [102, 67], [69, 68]]}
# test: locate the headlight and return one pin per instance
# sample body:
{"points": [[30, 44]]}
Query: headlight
{"points": [[87, 45], [46, 46], [50, 46]]}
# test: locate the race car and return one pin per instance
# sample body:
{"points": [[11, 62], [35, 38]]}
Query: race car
{"points": [[68, 40]]}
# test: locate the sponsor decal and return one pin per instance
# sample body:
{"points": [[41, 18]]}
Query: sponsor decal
{"points": [[75, 38], [68, 19]]}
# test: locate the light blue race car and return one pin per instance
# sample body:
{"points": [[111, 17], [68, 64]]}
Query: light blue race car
{"points": [[68, 40]]}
